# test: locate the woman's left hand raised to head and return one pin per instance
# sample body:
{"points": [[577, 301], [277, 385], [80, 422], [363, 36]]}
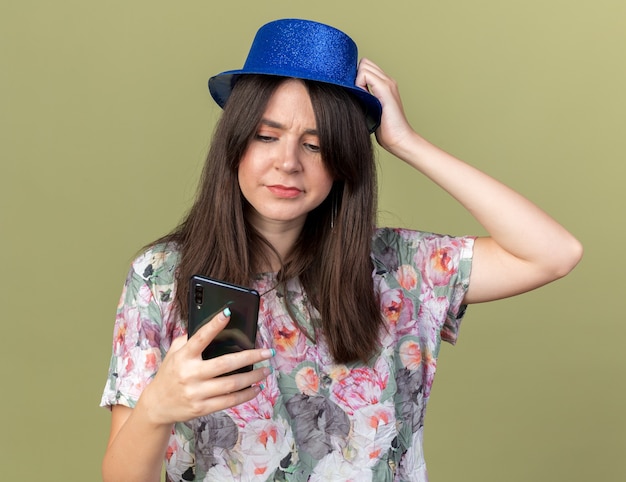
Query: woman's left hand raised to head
{"points": [[525, 248], [394, 126]]}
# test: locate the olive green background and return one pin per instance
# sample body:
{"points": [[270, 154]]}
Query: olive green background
{"points": [[105, 119]]}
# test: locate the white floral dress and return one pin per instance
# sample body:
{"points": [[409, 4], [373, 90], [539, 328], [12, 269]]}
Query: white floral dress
{"points": [[315, 420]]}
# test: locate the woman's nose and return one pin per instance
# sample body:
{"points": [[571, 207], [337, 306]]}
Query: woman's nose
{"points": [[288, 159]]}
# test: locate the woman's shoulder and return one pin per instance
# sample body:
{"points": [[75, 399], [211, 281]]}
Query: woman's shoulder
{"points": [[393, 247], [386, 236], [157, 263], [386, 239]]}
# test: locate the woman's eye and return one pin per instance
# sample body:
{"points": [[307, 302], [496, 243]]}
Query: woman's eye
{"points": [[312, 147], [263, 138]]}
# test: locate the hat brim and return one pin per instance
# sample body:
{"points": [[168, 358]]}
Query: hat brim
{"points": [[221, 85]]}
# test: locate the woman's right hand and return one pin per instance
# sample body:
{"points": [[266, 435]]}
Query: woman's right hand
{"points": [[186, 386]]}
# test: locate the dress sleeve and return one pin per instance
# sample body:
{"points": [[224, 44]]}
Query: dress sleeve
{"points": [[427, 275], [458, 289], [143, 331]]}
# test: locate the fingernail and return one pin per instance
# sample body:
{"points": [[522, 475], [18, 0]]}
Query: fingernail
{"points": [[226, 312], [269, 353], [262, 386]]}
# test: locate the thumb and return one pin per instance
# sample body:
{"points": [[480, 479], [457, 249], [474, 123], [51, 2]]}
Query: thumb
{"points": [[207, 332]]}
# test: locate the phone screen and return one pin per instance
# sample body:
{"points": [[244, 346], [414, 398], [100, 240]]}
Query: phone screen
{"points": [[207, 297]]}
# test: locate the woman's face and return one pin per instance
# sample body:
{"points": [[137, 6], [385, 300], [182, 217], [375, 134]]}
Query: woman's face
{"points": [[282, 174]]}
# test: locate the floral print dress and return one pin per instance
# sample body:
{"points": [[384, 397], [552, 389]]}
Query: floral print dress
{"points": [[315, 420]]}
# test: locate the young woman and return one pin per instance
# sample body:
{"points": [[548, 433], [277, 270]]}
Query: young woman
{"points": [[352, 316]]}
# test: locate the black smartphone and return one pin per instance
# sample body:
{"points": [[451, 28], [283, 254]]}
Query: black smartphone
{"points": [[207, 297]]}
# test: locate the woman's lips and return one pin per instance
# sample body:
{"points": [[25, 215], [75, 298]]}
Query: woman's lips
{"points": [[284, 191]]}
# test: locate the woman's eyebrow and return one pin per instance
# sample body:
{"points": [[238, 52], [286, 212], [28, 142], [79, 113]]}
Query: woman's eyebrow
{"points": [[278, 125]]}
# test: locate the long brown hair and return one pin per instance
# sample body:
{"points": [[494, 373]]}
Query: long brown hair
{"points": [[331, 257]]}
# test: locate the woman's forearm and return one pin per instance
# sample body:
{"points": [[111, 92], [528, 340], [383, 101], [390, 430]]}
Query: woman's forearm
{"points": [[137, 452]]}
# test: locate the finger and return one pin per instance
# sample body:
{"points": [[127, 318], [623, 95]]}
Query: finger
{"points": [[367, 67], [372, 79], [206, 333], [361, 75], [224, 385], [229, 400], [215, 367]]}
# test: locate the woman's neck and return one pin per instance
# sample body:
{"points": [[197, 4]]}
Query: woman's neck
{"points": [[282, 237]]}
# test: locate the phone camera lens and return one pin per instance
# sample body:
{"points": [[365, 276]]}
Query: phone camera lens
{"points": [[198, 294]]}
